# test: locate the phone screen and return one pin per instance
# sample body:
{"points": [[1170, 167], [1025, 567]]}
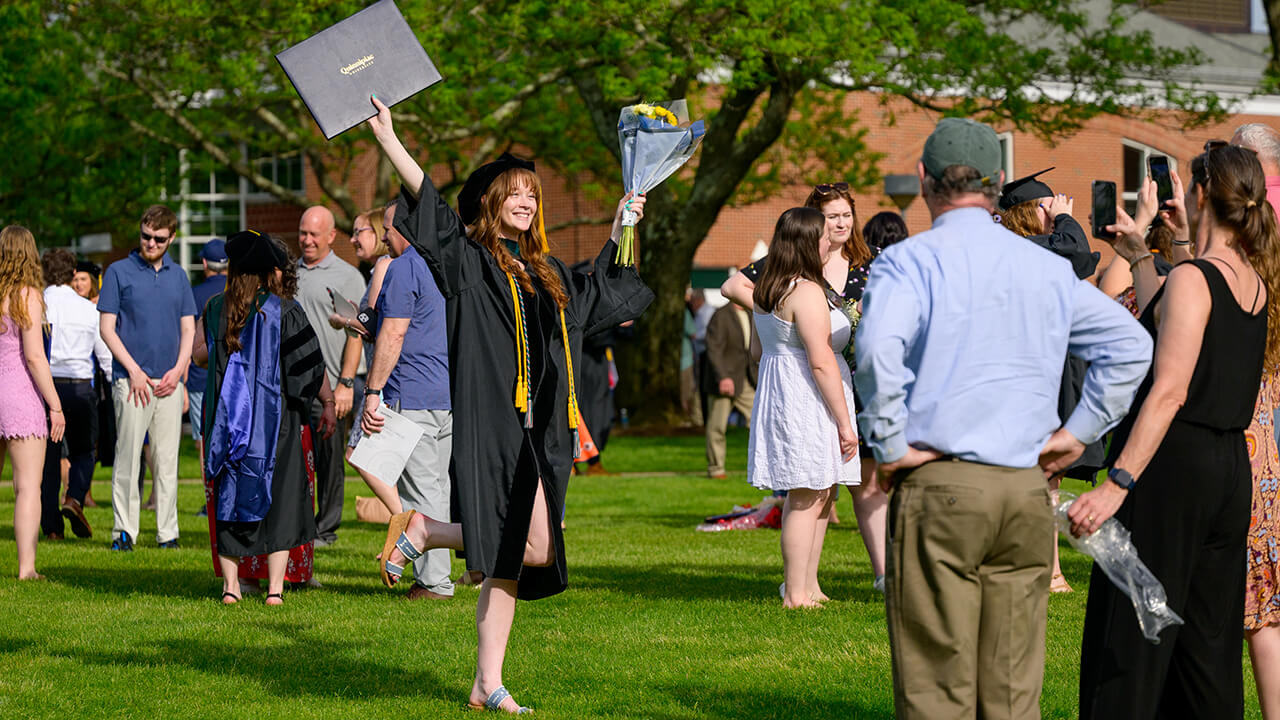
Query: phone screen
{"points": [[1104, 208], [1159, 167]]}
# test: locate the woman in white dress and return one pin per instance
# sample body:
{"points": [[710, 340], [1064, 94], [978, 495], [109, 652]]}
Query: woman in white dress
{"points": [[802, 436]]}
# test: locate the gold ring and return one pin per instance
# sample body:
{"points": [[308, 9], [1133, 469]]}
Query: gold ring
{"points": [[1091, 518]]}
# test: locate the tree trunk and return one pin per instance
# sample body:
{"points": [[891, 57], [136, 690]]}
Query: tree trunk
{"points": [[649, 366]]}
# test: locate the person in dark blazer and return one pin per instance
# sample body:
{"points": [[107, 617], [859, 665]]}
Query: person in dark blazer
{"points": [[730, 376]]}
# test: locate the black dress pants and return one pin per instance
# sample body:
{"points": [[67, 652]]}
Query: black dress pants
{"points": [[80, 408], [1188, 517], [330, 470]]}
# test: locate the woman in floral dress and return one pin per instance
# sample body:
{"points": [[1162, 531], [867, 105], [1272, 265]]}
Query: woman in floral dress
{"points": [[1262, 595]]}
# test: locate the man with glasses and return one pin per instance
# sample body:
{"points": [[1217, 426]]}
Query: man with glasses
{"points": [[148, 322]]}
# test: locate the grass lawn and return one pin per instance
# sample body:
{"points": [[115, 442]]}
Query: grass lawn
{"points": [[659, 621]]}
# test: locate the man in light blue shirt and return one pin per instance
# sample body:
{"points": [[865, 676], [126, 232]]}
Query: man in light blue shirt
{"points": [[959, 355]]}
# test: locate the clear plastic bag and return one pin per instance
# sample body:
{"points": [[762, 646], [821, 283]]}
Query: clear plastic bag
{"points": [[1114, 553]]}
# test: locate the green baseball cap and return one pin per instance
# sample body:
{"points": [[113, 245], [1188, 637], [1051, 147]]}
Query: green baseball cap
{"points": [[961, 141]]}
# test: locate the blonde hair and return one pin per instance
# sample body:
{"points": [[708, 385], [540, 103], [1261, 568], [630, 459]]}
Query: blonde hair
{"points": [[1022, 219], [19, 269], [374, 218]]}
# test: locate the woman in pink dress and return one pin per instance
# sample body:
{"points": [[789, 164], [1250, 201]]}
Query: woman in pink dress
{"points": [[24, 367]]}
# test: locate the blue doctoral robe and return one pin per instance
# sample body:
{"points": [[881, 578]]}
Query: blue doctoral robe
{"points": [[242, 441]]}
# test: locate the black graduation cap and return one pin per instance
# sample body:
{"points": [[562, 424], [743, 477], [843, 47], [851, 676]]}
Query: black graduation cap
{"points": [[252, 253], [1024, 189], [480, 180], [88, 266]]}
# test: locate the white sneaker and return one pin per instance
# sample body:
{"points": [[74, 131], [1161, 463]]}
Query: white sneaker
{"points": [[879, 584], [782, 590]]}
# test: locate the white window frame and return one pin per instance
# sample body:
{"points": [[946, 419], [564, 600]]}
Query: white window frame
{"points": [[1006, 150], [1145, 152], [244, 195]]}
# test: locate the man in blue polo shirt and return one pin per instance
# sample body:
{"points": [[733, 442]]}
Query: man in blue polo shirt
{"points": [[411, 374], [148, 323], [213, 256]]}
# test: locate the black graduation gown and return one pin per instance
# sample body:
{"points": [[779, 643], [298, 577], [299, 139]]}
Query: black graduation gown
{"points": [[594, 395], [291, 519], [1068, 241], [496, 461]]}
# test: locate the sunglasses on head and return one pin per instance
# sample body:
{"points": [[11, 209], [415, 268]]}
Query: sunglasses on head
{"points": [[832, 187], [157, 239], [1212, 145]]}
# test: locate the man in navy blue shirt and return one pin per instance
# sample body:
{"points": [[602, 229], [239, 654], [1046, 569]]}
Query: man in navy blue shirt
{"points": [[410, 373], [213, 256], [148, 322]]}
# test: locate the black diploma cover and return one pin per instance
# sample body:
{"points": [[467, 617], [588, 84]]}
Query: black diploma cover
{"points": [[373, 52]]}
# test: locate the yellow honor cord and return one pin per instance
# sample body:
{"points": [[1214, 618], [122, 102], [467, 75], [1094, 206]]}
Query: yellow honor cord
{"points": [[568, 363], [522, 400], [524, 386]]}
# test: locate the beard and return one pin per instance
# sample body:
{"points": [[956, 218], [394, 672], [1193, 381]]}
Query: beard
{"points": [[153, 255]]}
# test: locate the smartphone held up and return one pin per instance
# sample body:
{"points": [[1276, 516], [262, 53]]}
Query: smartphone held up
{"points": [[1104, 209], [1158, 167]]}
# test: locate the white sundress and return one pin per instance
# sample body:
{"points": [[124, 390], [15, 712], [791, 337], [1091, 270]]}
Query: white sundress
{"points": [[794, 442]]}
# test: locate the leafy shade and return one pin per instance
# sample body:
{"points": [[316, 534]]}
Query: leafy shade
{"points": [[770, 77]]}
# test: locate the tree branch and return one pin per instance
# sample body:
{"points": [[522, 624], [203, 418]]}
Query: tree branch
{"points": [[505, 112], [200, 139]]}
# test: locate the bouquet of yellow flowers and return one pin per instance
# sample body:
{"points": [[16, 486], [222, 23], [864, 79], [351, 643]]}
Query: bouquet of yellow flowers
{"points": [[656, 140]]}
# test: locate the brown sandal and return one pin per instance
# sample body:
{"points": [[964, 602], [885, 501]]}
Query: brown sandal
{"points": [[1059, 584], [395, 533]]}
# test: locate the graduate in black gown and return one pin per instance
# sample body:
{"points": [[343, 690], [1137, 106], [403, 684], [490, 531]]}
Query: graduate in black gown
{"points": [[1030, 208], [516, 319], [266, 371]]}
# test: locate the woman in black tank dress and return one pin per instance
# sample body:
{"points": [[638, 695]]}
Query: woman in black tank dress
{"points": [[1183, 443]]}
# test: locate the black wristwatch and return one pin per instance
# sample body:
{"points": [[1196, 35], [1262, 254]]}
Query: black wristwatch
{"points": [[371, 391], [1121, 478], [347, 382]]}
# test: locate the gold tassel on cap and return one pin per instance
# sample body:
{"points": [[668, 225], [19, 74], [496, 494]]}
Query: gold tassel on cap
{"points": [[542, 228]]}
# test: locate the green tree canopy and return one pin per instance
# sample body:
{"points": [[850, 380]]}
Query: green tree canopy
{"points": [[130, 79]]}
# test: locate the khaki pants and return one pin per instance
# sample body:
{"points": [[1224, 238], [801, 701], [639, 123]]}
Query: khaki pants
{"points": [[718, 409], [969, 554], [689, 396], [162, 419], [424, 486]]}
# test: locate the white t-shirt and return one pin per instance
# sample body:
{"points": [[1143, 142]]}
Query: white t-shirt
{"points": [[76, 340]]}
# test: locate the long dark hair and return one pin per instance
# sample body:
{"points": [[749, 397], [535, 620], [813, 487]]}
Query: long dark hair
{"points": [[486, 231], [855, 249], [794, 253], [1236, 188], [243, 288]]}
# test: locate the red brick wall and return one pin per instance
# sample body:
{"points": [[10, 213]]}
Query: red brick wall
{"points": [[1095, 152]]}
